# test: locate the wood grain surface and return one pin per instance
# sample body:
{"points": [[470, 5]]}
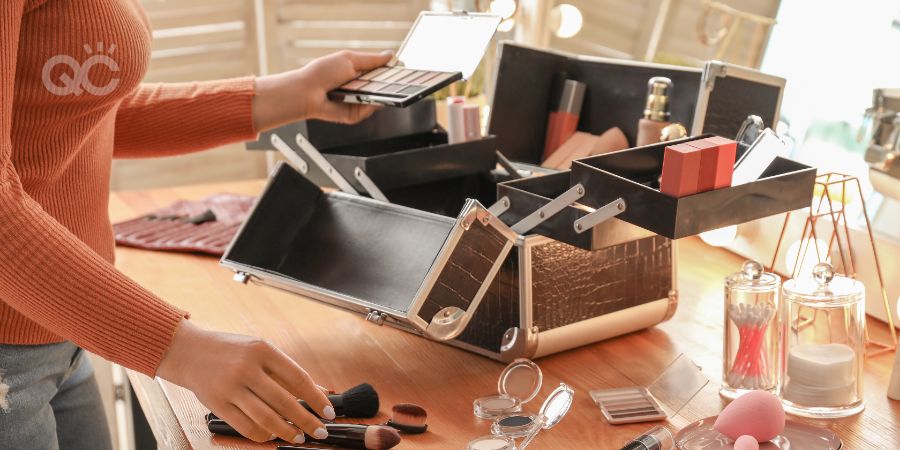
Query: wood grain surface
{"points": [[341, 349]]}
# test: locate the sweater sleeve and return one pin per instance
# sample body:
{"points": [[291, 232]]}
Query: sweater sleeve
{"points": [[53, 278], [177, 118]]}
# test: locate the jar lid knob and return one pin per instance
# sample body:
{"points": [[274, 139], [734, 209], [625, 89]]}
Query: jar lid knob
{"points": [[752, 269], [823, 273]]}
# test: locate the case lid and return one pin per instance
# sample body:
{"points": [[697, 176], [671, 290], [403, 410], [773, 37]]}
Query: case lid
{"points": [[753, 278], [824, 286], [448, 41]]}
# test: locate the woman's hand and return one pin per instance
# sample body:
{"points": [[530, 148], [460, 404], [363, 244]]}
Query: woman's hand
{"points": [[303, 93], [247, 382]]}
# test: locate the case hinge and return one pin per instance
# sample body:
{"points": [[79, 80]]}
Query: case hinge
{"points": [[713, 70]]}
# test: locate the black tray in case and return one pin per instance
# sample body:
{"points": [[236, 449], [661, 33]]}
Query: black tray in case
{"points": [[395, 148], [633, 176]]}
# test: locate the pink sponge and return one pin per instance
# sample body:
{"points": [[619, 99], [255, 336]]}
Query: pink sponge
{"points": [[746, 443], [758, 414]]}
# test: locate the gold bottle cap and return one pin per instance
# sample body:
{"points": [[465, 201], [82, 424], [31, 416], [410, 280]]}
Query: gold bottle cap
{"points": [[658, 90]]}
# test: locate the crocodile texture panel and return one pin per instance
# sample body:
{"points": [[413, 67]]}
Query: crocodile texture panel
{"points": [[499, 309], [466, 270], [570, 284]]}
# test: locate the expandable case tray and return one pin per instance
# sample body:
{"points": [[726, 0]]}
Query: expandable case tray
{"points": [[633, 176], [424, 271], [396, 148]]}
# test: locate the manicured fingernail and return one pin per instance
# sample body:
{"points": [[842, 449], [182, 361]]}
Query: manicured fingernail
{"points": [[328, 413], [388, 53], [273, 437], [320, 433], [299, 439]]}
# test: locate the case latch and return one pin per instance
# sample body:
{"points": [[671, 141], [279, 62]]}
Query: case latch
{"points": [[376, 317], [241, 277]]}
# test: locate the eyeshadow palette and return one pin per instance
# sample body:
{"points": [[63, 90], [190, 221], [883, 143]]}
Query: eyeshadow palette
{"points": [[440, 48], [628, 405]]}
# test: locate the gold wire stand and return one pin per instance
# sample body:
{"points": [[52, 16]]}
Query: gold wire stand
{"points": [[829, 187]]}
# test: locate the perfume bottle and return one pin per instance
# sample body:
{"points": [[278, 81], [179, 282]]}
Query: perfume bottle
{"points": [[656, 112]]}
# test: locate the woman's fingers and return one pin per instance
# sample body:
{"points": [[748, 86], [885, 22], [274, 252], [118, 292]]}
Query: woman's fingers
{"points": [[262, 413], [298, 383], [247, 427], [365, 61], [285, 404]]}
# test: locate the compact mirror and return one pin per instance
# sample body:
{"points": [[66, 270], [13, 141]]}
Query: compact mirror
{"points": [[519, 383], [554, 409], [557, 405], [448, 42], [748, 133]]}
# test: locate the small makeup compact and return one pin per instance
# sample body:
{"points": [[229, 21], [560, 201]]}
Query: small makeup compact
{"points": [[440, 48], [519, 383], [506, 429], [665, 397]]}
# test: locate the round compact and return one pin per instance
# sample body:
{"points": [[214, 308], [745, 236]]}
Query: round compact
{"points": [[492, 443], [519, 383], [513, 425]]}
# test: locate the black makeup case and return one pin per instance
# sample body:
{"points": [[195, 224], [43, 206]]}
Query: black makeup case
{"points": [[570, 271], [387, 156]]}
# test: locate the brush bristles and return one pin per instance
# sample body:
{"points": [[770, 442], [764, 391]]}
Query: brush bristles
{"points": [[360, 401], [409, 414], [381, 438]]}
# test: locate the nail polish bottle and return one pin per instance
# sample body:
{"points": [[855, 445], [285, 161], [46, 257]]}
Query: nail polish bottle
{"points": [[656, 112]]}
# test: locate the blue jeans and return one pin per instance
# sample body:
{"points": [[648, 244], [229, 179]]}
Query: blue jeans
{"points": [[52, 401]]}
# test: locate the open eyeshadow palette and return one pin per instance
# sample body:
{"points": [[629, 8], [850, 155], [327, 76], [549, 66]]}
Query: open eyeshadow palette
{"points": [[440, 48]]}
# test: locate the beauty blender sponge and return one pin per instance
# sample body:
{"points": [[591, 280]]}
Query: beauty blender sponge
{"points": [[757, 413], [746, 443]]}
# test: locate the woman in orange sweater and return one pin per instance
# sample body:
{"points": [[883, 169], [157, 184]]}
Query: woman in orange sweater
{"points": [[70, 101]]}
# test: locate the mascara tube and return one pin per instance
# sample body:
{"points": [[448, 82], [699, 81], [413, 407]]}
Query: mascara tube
{"points": [[657, 438]]}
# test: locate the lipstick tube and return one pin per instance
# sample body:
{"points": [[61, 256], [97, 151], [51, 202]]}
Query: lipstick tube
{"points": [[563, 120]]}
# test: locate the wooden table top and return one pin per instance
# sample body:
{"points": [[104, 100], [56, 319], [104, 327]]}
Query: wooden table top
{"points": [[341, 349]]}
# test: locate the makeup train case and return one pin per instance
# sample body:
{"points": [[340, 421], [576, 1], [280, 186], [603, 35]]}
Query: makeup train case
{"points": [[532, 283]]}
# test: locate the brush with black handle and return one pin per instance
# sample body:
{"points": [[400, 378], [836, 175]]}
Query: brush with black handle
{"points": [[357, 402], [372, 437]]}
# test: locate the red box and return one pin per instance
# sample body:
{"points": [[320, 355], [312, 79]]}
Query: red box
{"points": [[709, 155], [727, 150], [680, 170]]}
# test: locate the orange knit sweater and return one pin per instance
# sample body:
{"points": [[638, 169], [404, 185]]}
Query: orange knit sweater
{"points": [[70, 101]]}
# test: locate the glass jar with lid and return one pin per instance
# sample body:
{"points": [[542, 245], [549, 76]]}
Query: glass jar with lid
{"points": [[750, 352], [824, 337]]}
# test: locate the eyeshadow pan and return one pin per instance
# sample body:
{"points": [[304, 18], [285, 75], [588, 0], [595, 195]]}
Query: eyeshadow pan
{"points": [[402, 73], [425, 76], [392, 88], [384, 76], [355, 84], [373, 73], [411, 76], [411, 90], [436, 80], [372, 86]]}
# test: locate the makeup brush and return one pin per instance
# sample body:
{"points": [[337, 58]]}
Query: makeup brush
{"points": [[357, 402], [372, 437], [408, 418]]}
